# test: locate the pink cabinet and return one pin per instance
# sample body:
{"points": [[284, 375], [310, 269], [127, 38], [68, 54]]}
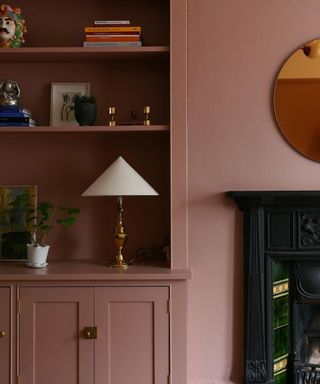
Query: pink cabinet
{"points": [[133, 335], [52, 348], [5, 335], [131, 345]]}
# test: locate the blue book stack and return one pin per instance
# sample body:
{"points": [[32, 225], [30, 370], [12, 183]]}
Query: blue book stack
{"points": [[16, 117]]}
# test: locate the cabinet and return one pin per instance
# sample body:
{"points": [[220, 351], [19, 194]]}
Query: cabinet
{"points": [[140, 316], [131, 346], [133, 335], [51, 348], [5, 334]]}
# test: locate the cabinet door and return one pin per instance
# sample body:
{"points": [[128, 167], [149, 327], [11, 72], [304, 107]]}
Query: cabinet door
{"points": [[5, 335], [133, 335], [52, 348]]}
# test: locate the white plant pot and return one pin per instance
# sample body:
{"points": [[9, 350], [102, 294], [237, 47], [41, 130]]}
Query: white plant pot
{"points": [[37, 255]]}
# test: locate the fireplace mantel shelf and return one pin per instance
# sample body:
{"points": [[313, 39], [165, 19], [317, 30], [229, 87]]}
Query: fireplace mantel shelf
{"points": [[275, 198]]}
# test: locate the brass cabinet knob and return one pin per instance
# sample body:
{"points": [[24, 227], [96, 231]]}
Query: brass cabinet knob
{"points": [[2, 333], [90, 332]]}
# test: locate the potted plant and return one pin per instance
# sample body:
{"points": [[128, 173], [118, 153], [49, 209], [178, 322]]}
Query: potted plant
{"points": [[85, 109], [39, 222]]}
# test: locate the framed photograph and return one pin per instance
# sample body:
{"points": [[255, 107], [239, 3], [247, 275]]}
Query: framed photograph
{"points": [[14, 235], [62, 102]]}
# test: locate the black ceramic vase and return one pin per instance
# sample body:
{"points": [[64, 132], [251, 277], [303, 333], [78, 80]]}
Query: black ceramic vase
{"points": [[85, 113]]}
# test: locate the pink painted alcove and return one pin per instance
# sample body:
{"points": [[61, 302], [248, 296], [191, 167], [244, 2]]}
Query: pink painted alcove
{"points": [[63, 165], [235, 50]]}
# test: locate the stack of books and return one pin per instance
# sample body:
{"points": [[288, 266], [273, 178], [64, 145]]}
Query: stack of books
{"points": [[16, 117], [106, 33]]}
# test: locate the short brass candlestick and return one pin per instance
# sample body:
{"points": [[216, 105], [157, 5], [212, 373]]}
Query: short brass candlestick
{"points": [[112, 116], [146, 111], [119, 237]]}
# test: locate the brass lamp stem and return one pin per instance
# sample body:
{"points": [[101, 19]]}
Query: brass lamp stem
{"points": [[119, 237]]}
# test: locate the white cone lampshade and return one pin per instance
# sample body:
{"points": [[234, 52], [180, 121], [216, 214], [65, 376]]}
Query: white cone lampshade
{"points": [[120, 179]]}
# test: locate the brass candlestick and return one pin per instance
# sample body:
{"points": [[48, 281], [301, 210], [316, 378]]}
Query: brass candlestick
{"points": [[120, 237], [112, 116], [146, 111]]}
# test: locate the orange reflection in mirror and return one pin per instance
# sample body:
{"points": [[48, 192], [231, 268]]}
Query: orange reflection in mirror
{"points": [[297, 102]]}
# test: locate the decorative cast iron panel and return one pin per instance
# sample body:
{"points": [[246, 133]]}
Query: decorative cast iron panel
{"points": [[256, 371], [309, 225]]}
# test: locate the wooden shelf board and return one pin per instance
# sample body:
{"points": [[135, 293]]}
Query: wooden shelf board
{"points": [[83, 54], [85, 129]]}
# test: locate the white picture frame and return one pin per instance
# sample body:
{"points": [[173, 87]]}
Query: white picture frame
{"points": [[62, 96]]}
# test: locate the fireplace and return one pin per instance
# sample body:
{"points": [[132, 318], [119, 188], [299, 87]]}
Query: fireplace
{"points": [[281, 285]]}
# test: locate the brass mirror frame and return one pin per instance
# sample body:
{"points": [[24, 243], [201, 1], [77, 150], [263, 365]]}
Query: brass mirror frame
{"points": [[296, 99]]}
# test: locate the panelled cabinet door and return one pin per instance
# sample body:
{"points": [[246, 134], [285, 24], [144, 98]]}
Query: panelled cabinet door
{"points": [[5, 335], [133, 335], [52, 344]]}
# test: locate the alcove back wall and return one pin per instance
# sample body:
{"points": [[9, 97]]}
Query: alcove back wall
{"points": [[235, 50]]}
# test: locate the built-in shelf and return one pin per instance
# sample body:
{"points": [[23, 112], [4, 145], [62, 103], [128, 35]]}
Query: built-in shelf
{"points": [[88, 270], [86, 129], [83, 54]]}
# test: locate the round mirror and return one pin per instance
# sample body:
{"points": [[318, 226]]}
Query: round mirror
{"points": [[297, 100]]}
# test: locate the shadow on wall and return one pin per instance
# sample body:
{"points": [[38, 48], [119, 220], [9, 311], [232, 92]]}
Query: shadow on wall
{"points": [[236, 372]]}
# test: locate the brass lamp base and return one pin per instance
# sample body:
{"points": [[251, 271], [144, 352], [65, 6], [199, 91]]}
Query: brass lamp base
{"points": [[120, 265], [120, 238]]}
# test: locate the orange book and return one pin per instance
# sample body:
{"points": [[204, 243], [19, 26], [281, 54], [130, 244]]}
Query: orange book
{"points": [[112, 38], [113, 33]]}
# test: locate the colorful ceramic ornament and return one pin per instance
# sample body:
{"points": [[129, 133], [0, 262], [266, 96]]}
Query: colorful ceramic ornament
{"points": [[12, 27]]}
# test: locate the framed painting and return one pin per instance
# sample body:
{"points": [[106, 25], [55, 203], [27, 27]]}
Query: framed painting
{"points": [[62, 102], [14, 235]]}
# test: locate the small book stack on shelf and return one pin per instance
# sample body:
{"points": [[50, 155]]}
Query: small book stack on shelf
{"points": [[16, 117], [106, 33]]}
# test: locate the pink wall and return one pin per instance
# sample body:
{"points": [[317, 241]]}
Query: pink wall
{"points": [[236, 49]]}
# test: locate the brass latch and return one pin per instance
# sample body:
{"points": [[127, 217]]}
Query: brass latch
{"points": [[90, 332]]}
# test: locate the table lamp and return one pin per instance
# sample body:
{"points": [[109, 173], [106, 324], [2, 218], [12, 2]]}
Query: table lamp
{"points": [[119, 180]]}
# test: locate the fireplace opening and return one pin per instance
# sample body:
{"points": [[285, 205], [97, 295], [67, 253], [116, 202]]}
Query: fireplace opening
{"points": [[306, 353], [306, 322], [296, 322]]}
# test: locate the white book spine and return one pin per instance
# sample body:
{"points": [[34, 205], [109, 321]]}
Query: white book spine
{"points": [[112, 22]]}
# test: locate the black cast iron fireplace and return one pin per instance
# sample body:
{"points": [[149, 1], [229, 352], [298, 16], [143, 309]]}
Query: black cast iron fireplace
{"points": [[282, 286]]}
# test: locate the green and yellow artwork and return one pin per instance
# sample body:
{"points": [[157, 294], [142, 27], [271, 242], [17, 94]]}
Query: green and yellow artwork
{"points": [[14, 234]]}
